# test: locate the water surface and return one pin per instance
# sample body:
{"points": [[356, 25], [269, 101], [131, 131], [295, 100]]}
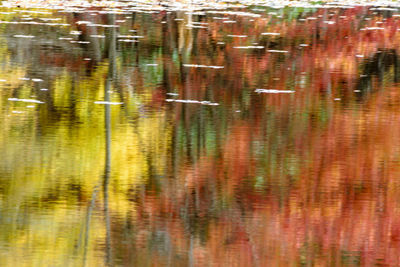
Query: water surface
{"points": [[241, 137]]}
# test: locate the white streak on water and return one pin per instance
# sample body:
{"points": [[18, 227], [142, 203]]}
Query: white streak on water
{"points": [[83, 22], [97, 36], [190, 101], [237, 36], [23, 36], [249, 47], [130, 36], [202, 66], [108, 103], [195, 26], [273, 91], [128, 41], [271, 33], [278, 51], [372, 28], [25, 100]]}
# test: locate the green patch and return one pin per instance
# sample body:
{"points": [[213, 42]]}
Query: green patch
{"points": [[317, 2], [351, 258]]}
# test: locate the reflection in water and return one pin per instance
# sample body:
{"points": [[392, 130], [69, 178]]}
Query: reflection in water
{"points": [[111, 46], [377, 66], [206, 169], [107, 111]]}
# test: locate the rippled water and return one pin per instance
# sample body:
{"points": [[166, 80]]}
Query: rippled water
{"points": [[241, 137]]}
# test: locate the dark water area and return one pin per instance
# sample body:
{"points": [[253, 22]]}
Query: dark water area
{"points": [[242, 137]]}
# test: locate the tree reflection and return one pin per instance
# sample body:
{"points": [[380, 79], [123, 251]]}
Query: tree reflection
{"points": [[112, 39], [377, 66], [111, 56]]}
